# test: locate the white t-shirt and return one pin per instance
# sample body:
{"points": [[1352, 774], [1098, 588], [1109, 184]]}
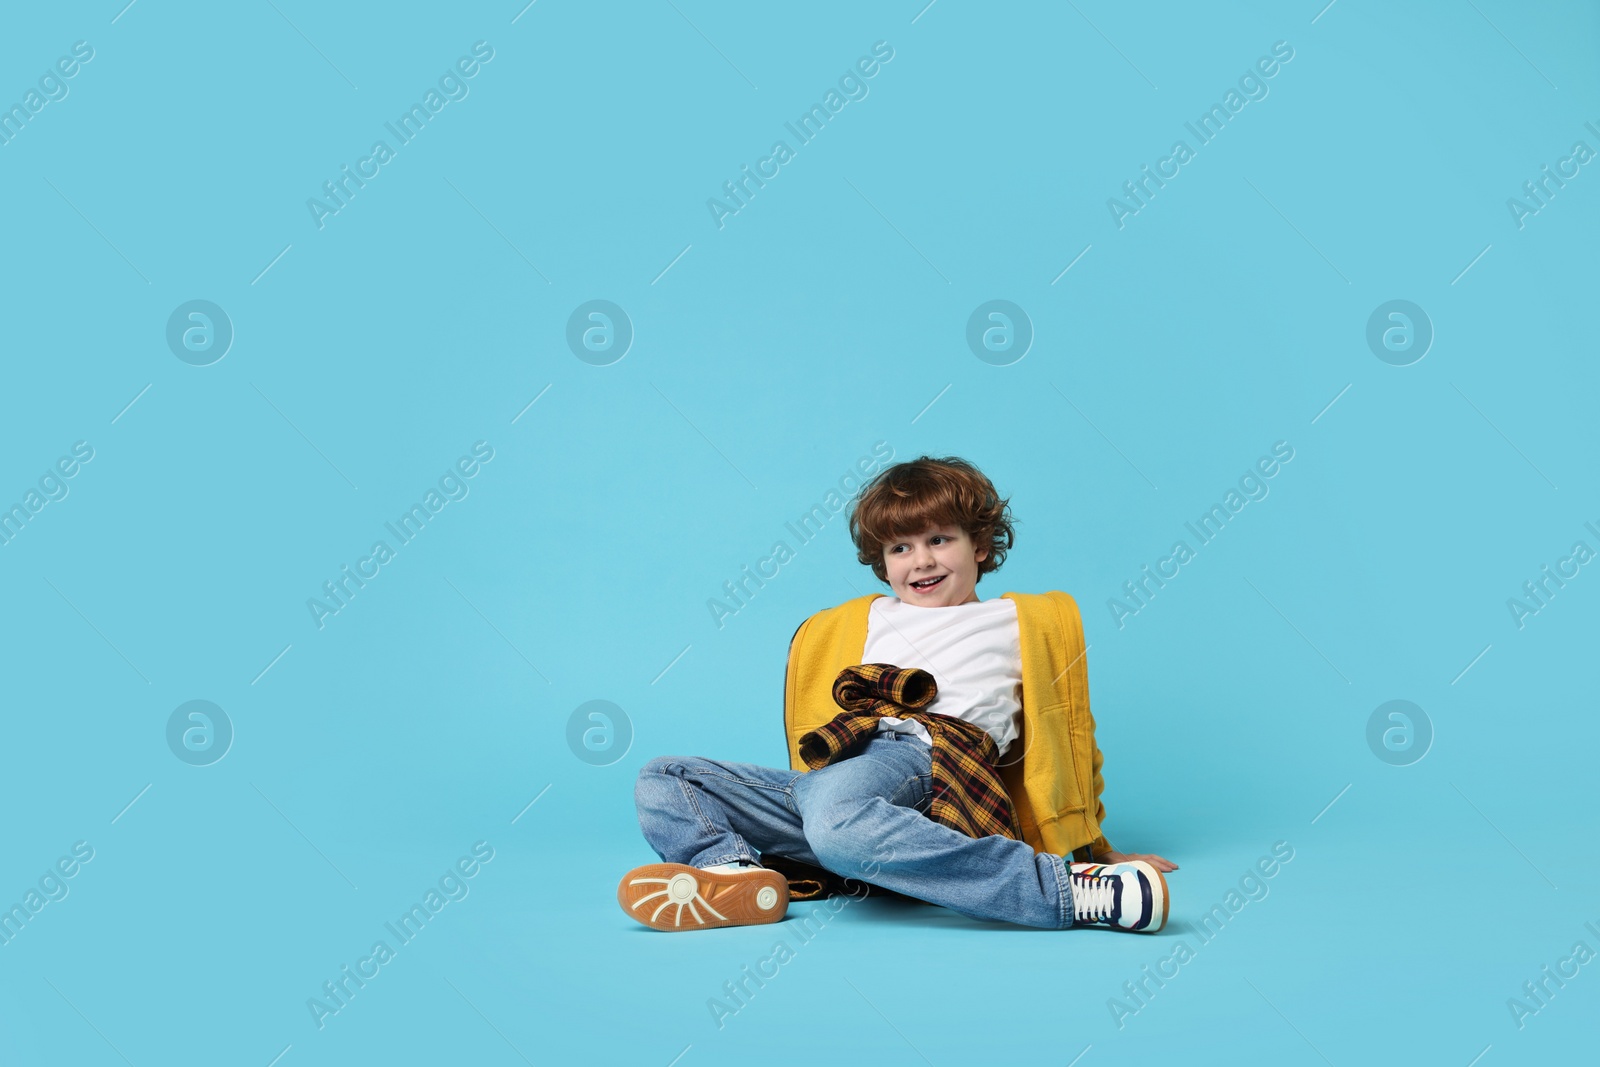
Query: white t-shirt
{"points": [[973, 651]]}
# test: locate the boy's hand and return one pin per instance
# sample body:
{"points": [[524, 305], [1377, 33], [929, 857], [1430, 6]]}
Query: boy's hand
{"points": [[1158, 862]]}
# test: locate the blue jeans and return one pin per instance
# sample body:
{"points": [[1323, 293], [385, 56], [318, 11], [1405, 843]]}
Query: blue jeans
{"points": [[863, 817]]}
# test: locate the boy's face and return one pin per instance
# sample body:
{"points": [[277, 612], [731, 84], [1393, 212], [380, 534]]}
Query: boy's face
{"points": [[942, 552]]}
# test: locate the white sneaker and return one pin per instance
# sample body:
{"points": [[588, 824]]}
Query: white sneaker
{"points": [[1123, 896]]}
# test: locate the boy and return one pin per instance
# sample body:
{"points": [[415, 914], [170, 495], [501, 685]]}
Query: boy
{"points": [[894, 773]]}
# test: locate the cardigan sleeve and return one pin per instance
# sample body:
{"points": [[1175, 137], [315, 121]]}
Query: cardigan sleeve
{"points": [[1099, 786], [1099, 846]]}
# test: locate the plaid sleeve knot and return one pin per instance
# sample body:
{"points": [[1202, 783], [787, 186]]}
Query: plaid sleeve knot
{"points": [[968, 794]]}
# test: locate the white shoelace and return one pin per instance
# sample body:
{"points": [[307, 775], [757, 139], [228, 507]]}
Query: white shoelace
{"points": [[1092, 897]]}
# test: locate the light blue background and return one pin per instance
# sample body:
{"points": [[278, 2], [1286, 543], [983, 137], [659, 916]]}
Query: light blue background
{"points": [[769, 356]]}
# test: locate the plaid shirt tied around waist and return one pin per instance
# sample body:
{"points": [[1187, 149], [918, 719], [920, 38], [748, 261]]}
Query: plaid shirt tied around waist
{"points": [[968, 794]]}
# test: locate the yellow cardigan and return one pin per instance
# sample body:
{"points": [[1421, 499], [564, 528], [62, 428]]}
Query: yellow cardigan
{"points": [[1056, 784]]}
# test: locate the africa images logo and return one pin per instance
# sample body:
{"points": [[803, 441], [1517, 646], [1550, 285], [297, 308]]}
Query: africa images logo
{"points": [[1206, 128], [452, 87]]}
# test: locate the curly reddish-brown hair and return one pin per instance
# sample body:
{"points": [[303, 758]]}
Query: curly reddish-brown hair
{"points": [[903, 500]]}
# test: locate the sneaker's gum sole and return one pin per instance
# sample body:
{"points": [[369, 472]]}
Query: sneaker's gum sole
{"points": [[674, 896]]}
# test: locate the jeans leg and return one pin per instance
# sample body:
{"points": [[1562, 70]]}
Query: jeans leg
{"points": [[888, 840], [703, 812]]}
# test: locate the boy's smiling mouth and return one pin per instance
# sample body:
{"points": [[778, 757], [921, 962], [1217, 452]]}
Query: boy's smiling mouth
{"points": [[923, 585]]}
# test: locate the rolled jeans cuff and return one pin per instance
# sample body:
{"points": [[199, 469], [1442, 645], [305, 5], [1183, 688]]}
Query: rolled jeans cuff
{"points": [[1063, 888]]}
